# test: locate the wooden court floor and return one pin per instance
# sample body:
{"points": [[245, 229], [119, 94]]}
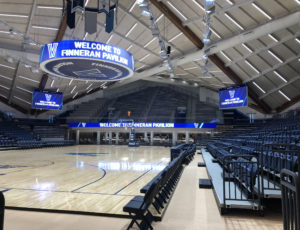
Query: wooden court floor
{"points": [[86, 178]]}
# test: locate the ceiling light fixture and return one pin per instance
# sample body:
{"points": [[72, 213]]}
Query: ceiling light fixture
{"points": [[111, 36], [252, 66], [215, 32], [129, 47], [176, 36], [285, 96], [7, 78], [275, 56], [152, 40], [234, 21], [273, 38], [140, 67], [160, 17], [29, 79], [259, 87], [73, 89], [4, 87], [89, 86], [50, 7], [247, 47], [280, 76], [85, 36], [44, 28], [22, 100], [25, 90], [195, 67], [131, 29], [6, 66], [198, 4], [143, 58], [14, 15], [132, 7], [75, 95], [228, 58], [262, 11], [181, 14], [1, 95]]}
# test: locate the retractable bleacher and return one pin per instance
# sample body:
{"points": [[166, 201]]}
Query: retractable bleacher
{"points": [[262, 153], [19, 136]]}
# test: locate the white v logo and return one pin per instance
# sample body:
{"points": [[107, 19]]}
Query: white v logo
{"points": [[52, 47]]}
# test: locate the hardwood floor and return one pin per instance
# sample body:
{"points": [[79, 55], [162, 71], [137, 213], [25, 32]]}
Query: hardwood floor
{"points": [[97, 179], [191, 208]]}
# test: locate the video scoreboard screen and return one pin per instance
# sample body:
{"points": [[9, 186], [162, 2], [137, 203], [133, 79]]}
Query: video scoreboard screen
{"points": [[233, 97], [47, 100]]}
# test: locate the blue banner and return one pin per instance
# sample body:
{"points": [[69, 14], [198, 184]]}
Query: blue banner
{"points": [[86, 60], [144, 125]]}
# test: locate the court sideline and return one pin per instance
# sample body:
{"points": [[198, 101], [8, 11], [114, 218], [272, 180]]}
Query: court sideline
{"points": [[191, 208]]}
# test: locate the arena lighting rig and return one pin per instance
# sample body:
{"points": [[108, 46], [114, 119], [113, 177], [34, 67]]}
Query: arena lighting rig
{"points": [[104, 6], [165, 51]]}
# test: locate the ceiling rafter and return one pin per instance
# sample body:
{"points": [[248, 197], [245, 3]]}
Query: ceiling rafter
{"points": [[272, 45], [288, 104], [219, 12], [274, 67], [146, 26], [13, 85], [214, 58], [280, 87]]}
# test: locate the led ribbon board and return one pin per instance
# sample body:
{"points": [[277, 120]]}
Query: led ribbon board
{"points": [[233, 97], [86, 60], [144, 125]]}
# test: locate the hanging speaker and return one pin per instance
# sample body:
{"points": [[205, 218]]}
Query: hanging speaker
{"points": [[70, 15], [77, 5], [168, 50], [90, 22], [110, 21]]}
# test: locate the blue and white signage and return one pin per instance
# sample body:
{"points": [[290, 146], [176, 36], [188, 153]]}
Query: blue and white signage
{"points": [[86, 60], [233, 97], [144, 125], [47, 100]]}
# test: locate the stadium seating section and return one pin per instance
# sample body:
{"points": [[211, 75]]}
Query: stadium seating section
{"points": [[256, 156], [24, 135], [145, 106]]}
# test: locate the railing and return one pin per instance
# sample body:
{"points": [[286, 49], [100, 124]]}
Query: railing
{"points": [[290, 199], [240, 180], [272, 159]]}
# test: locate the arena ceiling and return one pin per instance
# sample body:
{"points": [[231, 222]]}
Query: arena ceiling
{"points": [[254, 42]]}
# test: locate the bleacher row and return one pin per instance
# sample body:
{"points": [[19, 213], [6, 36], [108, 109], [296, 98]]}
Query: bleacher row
{"points": [[256, 157], [143, 108], [158, 191], [14, 136], [32, 144]]}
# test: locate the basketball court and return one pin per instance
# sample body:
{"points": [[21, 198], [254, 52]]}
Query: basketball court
{"points": [[81, 179]]}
